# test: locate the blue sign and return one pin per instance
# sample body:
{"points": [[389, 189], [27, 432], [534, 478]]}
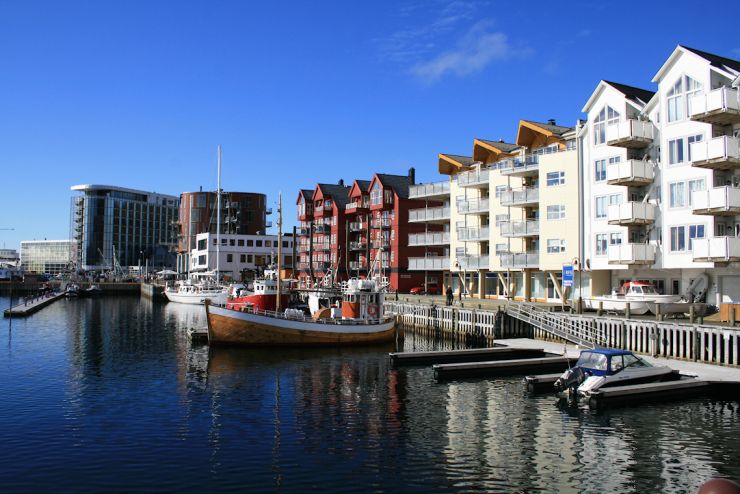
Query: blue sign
{"points": [[567, 275]]}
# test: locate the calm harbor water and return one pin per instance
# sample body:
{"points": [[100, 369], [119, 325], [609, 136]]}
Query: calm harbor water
{"points": [[109, 395]]}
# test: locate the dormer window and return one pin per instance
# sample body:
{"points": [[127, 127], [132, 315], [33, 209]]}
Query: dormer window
{"points": [[376, 194], [607, 116], [678, 98]]}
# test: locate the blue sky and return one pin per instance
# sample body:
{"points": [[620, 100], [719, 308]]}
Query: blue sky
{"points": [[140, 93]]}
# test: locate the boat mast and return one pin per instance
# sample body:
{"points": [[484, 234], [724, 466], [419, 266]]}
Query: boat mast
{"points": [[218, 218], [280, 251]]}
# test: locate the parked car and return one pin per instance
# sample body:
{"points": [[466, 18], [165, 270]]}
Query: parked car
{"points": [[419, 290]]}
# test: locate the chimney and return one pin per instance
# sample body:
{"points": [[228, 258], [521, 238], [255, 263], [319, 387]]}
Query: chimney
{"points": [[551, 121], [412, 176], [201, 188], [341, 182]]}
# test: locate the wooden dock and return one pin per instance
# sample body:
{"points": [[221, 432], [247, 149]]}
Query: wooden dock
{"points": [[443, 372], [471, 355], [32, 306], [651, 392]]}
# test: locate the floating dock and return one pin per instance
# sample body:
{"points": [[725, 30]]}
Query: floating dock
{"points": [[198, 335], [34, 305], [543, 383], [471, 355], [652, 392], [551, 363]]}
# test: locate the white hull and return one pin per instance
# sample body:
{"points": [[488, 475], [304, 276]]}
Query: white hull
{"points": [[196, 298], [638, 305]]}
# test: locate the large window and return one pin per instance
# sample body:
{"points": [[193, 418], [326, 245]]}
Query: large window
{"points": [[696, 185], [690, 140], [602, 203], [555, 245], [601, 243], [376, 195], [556, 212], [555, 178], [680, 234], [599, 170], [677, 198], [607, 116], [678, 98]]}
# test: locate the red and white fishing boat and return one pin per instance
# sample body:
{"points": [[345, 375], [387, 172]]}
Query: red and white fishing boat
{"points": [[262, 297]]}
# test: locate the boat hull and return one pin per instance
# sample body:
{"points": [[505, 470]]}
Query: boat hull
{"points": [[195, 298], [231, 327], [609, 304]]}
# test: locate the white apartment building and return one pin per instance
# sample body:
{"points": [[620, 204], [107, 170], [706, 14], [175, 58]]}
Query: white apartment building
{"points": [[240, 256], [660, 179]]}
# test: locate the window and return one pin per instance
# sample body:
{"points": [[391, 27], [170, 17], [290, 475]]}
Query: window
{"points": [[677, 195], [214, 240], [240, 242], [678, 238], [615, 159], [376, 196], [696, 185], [229, 258], [249, 258], [607, 116], [250, 243], [601, 243], [259, 243], [202, 244], [675, 151], [555, 178], [556, 212], [285, 244], [501, 248], [232, 242], [202, 260], [600, 209], [242, 258], [268, 243], [689, 141], [615, 239], [223, 241], [555, 245], [695, 231], [388, 196], [599, 170], [500, 189], [678, 98]]}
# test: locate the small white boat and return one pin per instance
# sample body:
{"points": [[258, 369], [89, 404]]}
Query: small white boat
{"points": [[639, 294], [197, 293]]}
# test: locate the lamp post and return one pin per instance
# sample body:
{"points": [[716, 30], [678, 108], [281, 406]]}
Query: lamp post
{"points": [[579, 302]]}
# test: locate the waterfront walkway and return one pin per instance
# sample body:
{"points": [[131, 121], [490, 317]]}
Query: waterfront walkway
{"points": [[29, 305]]}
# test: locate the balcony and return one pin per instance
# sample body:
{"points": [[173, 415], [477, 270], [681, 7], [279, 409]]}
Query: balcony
{"points": [[302, 266], [429, 239], [267, 210], [322, 248], [357, 246], [438, 263], [357, 266], [469, 262], [631, 213], [526, 196], [473, 178], [719, 201], [520, 260], [357, 226], [436, 190], [720, 153], [473, 206], [633, 134], [356, 207], [381, 244], [529, 228], [383, 223], [474, 234], [716, 249], [630, 173], [302, 232], [322, 229], [268, 224], [631, 254], [720, 106], [429, 215], [515, 167]]}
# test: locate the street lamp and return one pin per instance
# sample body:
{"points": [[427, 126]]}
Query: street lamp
{"points": [[579, 302]]}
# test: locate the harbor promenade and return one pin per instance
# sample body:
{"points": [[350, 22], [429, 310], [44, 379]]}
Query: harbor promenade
{"points": [[31, 305]]}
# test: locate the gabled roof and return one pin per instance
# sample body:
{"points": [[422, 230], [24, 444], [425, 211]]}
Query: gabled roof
{"points": [[722, 64], [307, 195], [557, 130], [362, 185], [338, 193], [638, 97], [451, 163], [534, 134], [505, 147], [398, 183]]}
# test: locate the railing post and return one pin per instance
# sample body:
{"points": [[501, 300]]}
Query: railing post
{"points": [[692, 314], [601, 308], [627, 311], [732, 315], [658, 316]]}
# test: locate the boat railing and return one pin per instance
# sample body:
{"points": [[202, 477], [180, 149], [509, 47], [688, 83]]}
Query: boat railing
{"points": [[249, 309]]}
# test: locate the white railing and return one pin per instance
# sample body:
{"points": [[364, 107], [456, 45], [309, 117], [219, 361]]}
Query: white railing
{"points": [[356, 205], [358, 245], [514, 166], [720, 99], [631, 212], [472, 206], [717, 199], [630, 130], [430, 238], [429, 214], [520, 228], [631, 253], [629, 171], [716, 249], [524, 195], [474, 177], [473, 234], [473, 262], [717, 148], [439, 263], [520, 259], [429, 190]]}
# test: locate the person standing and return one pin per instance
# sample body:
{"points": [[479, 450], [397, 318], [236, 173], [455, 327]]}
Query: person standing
{"points": [[449, 295]]}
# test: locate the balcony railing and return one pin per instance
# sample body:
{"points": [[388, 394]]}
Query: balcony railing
{"points": [[433, 190], [321, 265], [322, 247], [302, 232], [716, 249], [469, 262], [520, 260], [355, 205], [441, 214], [473, 234], [473, 206], [356, 226], [430, 238], [720, 153], [382, 223], [377, 244], [718, 201], [520, 197], [630, 173], [357, 265], [517, 167], [631, 213], [720, 106], [473, 178], [631, 254], [302, 266], [635, 134], [357, 246], [438, 263], [529, 228]]}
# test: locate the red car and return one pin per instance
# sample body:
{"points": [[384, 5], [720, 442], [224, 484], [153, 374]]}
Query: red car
{"points": [[419, 290]]}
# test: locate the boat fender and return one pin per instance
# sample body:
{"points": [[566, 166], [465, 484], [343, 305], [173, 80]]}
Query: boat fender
{"points": [[372, 310]]}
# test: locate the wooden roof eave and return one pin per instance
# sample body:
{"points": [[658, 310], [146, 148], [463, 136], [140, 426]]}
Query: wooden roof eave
{"points": [[449, 166]]}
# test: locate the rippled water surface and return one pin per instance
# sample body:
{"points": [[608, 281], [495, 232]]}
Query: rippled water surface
{"points": [[108, 395]]}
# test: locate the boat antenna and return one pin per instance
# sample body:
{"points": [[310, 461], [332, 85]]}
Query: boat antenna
{"points": [[218, 217], [280, 250]]}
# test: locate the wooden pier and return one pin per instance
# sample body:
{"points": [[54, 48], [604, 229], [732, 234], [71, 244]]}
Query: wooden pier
{"points": [[471, 355], [444, 372], [34, 305]]}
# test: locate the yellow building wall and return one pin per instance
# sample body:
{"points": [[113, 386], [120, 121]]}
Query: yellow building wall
{"points": [[567, 195]]}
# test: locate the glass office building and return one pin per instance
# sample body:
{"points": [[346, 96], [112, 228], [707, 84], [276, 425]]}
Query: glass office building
{"points": [[47, 256], [115, 226]]}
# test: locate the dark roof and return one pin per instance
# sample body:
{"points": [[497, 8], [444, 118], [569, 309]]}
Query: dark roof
{"points": [[399, 183], [307, 193], [465, 160], [506, 147], [364, 185], [339, 193], [555, 129], [632, 93], [715, 60]]}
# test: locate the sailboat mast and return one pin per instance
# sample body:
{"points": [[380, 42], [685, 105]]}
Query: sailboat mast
{"points": [[218, 218], [280, 251]]}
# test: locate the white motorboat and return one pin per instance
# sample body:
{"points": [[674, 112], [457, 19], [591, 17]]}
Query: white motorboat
{"points": [[640, 295], [197, 293]]}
